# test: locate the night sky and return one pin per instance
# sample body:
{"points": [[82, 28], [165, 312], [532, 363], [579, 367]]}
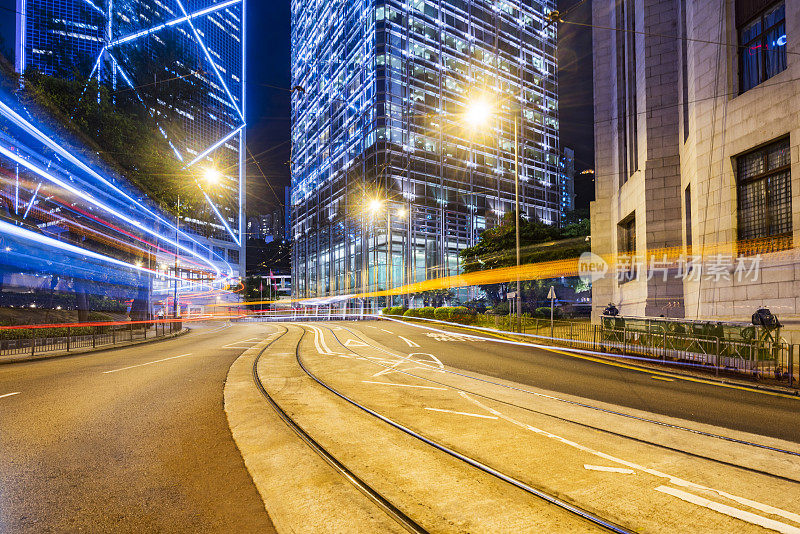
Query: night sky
{"points": [[268, 86]]}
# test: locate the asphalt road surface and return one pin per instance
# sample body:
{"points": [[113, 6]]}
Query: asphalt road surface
{"points": [[739, 409], [127, 440]]}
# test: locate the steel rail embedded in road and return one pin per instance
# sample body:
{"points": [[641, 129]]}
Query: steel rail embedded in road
{"points": [[590, 517], [564, 419], [384, 504]]}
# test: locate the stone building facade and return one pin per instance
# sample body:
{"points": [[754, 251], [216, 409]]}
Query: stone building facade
{"points": [[697, 121]]}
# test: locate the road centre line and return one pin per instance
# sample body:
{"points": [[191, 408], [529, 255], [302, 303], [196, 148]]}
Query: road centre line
{"points": [[672, 479], [387, 331], [663, 378], [609, 469], [730, 511], [462, 413], [402, 385], [10, 394], [148, 363], [408, 342]]}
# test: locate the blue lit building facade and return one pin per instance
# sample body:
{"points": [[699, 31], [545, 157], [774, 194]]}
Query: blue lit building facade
{"points": [[195, 45], [566, 184], [388, 182]]}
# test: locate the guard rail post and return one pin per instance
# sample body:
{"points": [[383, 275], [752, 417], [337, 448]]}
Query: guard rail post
{"points": [[144, 330], [130, 330], [791, 365], [664, 351], [69, 336], [94, 337], [33, 341], [716, 359]]}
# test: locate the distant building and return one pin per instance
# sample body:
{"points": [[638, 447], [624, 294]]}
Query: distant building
{"points": [[566, 184], [389, 182], [126, 44], [268, 226], [697, 157]]}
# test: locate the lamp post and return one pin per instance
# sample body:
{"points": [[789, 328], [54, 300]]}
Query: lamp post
{"points": [[177, 253], [478, 114]]}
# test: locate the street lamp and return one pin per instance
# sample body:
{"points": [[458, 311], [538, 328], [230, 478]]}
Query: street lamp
{"points": [[478, 114], [212, 176]]}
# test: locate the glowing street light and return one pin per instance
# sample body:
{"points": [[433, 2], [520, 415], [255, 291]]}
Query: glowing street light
{"points": [[375, 206], [478, 113], [401, 213], [212, 176]]}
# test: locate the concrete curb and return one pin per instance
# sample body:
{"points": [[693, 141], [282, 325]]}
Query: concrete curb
{"points": [[301, 493], [19, 358]]}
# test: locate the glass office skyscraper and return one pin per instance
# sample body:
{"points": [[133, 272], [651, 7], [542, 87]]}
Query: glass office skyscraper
{"points": [[196, 47], [388, 182]]}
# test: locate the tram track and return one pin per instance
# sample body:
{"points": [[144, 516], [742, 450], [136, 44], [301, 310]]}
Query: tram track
{"points": [[372, 494], [573, 509], [692, 454]]}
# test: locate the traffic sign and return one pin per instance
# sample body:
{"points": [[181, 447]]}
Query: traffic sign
{"points": [[552, 294]]}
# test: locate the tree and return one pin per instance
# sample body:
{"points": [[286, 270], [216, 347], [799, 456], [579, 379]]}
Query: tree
{"points": [[539, 242]]}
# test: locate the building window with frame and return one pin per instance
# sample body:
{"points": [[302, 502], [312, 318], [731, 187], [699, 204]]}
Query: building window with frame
{"points": [[626, 247], [762, 41], [764, 199]]}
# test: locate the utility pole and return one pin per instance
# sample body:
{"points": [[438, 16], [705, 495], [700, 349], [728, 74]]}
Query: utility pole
{"points": [[516, 224], [177, 230]]}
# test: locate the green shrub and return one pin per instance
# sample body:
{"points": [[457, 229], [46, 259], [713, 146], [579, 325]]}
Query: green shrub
{"points": [[396, 310], [413, 312], [386, 311], [427, 312], [544, 313], [442, 313], [463, 315]]}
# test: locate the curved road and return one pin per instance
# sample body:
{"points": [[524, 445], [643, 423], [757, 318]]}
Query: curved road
{"points": [[120, 441], [745, 409]]}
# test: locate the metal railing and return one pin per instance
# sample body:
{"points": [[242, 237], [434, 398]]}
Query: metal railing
{"points": [[38, 339]]}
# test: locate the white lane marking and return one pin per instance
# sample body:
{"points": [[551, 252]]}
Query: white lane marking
{"points": [[791, 516], [10, 394], [434, 359], [730, 511], [354, 343], [402, 385], [148, 363], [609, 469], [408, 341], [387, 331], [462, 413]]}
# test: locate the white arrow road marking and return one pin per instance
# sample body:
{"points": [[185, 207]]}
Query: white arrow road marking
{"points": [[609, 469], [402, 385], [387, 331], [10, 394], [462, 413], [730, 511], [408, 341], [148, 363]]}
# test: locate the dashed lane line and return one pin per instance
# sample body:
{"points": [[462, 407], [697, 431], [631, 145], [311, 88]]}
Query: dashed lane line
{"points": [[402, 385], [10, 394], [462, 413], [607, 469], [147, 363]]}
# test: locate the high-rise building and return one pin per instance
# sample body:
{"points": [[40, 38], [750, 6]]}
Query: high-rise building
{"points": [[389, 181], [566, 185], [195, 48], [698, 103]]}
